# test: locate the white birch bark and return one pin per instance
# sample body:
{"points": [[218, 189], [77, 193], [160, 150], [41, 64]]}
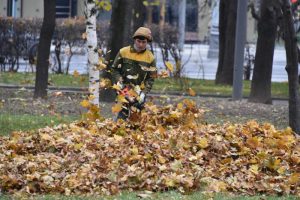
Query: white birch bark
{"points": [[91, 36]]}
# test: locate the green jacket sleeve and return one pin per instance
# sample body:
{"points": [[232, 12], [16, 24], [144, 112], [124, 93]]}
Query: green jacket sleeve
{"points": [[150, 78], [116, 68]]}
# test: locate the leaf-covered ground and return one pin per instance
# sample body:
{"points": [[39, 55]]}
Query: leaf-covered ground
{"points": [[219, 110], [167, 147]]}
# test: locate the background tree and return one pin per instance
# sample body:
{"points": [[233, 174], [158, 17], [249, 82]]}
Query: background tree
{"points": [[41, 80], [227, 23], [73, 28], [267, 32], [120, 36], [120, 26], [292, 65], [139, 14]]}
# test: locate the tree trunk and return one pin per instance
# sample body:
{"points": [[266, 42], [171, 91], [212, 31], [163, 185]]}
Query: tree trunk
{"points": [[91, 13], [227, 24], [204, 11], [41, 80], [120, 32], [181, 23], [120, 26], [139, 14], [262, 73], [149, 15], [57, 54], [162, 14], [292, 66], [68, 62]]}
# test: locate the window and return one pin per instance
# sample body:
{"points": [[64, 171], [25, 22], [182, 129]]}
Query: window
{"points": [[66, 8], [10, 8]]}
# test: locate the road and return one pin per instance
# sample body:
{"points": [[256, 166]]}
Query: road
{"points": [[197, 65]]}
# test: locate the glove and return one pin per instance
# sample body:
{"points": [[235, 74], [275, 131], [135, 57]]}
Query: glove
{"points": [[141, 97]]}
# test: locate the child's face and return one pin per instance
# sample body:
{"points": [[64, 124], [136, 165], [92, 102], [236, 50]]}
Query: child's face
{"points": [[140, 44]]}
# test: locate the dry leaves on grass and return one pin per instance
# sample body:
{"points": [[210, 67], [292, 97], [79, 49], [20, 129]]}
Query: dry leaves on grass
{"points": [[166, 148]]}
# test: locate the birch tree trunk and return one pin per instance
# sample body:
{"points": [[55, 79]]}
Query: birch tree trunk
{"points": [[91, 34], [290, 42]]}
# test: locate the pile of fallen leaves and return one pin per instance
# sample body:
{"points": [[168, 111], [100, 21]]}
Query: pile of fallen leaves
{"points": [[165, 148]]}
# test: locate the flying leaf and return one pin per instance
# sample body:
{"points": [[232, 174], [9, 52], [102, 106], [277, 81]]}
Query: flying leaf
{"points": [[75, 73], [84, 35], [192, 92], [116, 108], [116, 87], [122, 99], [85, 103], [169, 66]]}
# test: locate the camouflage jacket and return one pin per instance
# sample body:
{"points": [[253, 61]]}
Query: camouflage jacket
{"points": [[135, 68]]}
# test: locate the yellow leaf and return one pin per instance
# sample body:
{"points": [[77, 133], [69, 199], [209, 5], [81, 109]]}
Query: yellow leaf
{"points": [[203, 143], [176, 165], [101, 65], [133, 93], [75, 73], [142, 86], [294, 178], [116, 108], [273, 163], [169, 66], [254, 169], [78, 146], [46, 137], [161, 160], [121, 99], [134, 150], [118, 138], [253, 142], [169, 182], [84, 36], [281, 170], [180, 106], [85, 103], [192, 92], [105, 83], [116, 87], [91, 97], [164, 74], [145, 3]]}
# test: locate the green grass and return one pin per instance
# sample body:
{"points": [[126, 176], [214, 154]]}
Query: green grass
{"points": [[201, 87], [12, 122], [208, 87], [157, 196], [58, 80]]}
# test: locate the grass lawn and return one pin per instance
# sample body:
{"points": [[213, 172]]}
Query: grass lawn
{"points": [[201, 87], [172, 195], [13, 122]]}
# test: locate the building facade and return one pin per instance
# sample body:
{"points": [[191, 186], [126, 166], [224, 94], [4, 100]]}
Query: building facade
{"points": [[35, 8]]}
